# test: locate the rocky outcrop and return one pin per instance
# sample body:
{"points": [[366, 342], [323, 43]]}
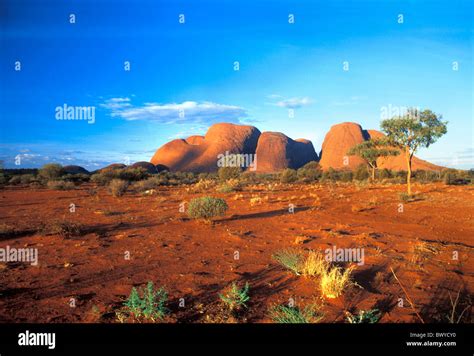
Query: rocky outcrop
{"points": [[276, 151], [338, 141], [72, 169], [200, 154]]}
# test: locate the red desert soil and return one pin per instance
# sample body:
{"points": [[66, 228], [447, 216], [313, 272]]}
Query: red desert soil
{"points": [[195, 261]]}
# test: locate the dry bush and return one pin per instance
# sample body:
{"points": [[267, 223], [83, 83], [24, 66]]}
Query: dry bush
{"points": [[421, 252], [229, 186], [60, 185], [202, 186], [65, 229], [118, 187]]}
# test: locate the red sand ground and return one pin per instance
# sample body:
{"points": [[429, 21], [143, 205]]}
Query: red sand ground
{"points": [[195, 261]]}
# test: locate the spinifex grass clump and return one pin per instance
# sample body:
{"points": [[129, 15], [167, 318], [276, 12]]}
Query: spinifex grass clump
{"points": [[145, 304], [308, 264], [236, 298], [364, 317], [206, 208], [291, 259], [334, 281], [293, 315], [314, 264]]}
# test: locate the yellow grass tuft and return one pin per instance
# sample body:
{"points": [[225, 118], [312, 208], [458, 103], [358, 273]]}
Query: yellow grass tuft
{"points": [[314, 264], [334, 281]]}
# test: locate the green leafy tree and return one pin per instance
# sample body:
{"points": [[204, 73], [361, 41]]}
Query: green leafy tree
{"points": [[411, 131], [371, 150]]}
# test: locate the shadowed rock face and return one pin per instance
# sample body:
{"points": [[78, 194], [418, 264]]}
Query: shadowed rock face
{"points": [[276, 151]]}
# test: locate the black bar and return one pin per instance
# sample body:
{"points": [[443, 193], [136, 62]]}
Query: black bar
{"points": [[122, 337]]}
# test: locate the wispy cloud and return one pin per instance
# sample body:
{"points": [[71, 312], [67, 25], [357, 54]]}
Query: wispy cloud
{"points": [[175, 113], [350, 101], [289, 103], [294, 103]]}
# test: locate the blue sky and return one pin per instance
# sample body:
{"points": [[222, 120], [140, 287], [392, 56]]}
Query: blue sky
{"points": [[190, 66]]}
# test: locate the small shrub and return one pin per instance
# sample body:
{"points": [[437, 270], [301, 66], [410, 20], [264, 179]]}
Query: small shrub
{"points": [[288, 176], [229, 186], [147, 185], [292, 315], [15, 180], [453, 177], [27, 178], [203, 185], [118, 187], [405, 197], [310, 172], [345, 176], [131, 174], [236, 298], [77, 178], [51, 171], [330, 175], [334, 281], [145, 304], [3, 179], [64, 229], [60, 185], [364, 317], [226, 173], [384, 174], [206, 208], [361, 172], [100, 179], [225, 188]]}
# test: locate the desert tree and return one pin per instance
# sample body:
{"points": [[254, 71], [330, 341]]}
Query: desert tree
{"points": [[371, 150], [411, 131]]}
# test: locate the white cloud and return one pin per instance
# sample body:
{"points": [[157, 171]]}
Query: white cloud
{"points": [[185, 112], [294, 103], [350, 101]]}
